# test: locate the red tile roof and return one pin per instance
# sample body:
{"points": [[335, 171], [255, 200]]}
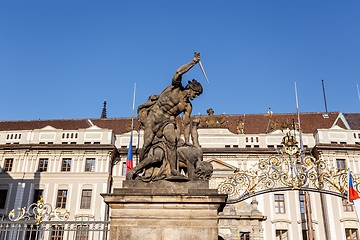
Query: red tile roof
{"points": [[353, 120], [259, 123], [119, 125], [254, 123], [66, 124]]}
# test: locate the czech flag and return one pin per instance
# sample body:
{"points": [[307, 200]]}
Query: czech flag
{"points": [[352, 193], [129, 159]]}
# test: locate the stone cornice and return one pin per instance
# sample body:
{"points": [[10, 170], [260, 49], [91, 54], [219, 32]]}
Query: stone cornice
{"points": [[244, 217], [281, 221], [57, 146], [348, 220]]}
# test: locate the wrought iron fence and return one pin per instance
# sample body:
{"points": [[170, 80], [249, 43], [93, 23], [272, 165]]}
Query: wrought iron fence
{"points": [[54, 230]]}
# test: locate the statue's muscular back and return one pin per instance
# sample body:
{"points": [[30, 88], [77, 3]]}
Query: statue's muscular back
{"points": [[170, 104]]}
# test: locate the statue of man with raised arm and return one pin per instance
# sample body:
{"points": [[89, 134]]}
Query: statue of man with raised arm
{"points": [[158, 116]]}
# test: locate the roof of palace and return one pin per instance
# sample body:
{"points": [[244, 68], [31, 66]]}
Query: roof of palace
{"points": [[245, 123], [353, 120]]}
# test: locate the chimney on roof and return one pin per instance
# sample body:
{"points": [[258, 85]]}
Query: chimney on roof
{"points": [[103, 114]]}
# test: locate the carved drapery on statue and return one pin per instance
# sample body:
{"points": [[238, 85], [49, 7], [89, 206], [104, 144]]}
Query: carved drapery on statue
{"points": [[287, 171]]}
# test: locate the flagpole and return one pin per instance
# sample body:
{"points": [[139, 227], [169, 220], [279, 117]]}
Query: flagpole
{"points": [[133, 108], [353, 196], [348, 177], [298, 115], [129, 159], [132, 117], [306, 194]]}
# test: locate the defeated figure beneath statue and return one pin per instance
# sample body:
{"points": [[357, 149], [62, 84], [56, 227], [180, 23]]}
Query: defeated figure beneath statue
{"points": [[190, 158]]}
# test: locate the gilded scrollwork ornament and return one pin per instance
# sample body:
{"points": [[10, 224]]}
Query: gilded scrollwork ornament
{"points": [[39, 212], [288, 170]]}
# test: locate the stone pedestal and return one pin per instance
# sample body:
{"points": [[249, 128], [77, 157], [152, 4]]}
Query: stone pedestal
{"points": [[164, 210]]}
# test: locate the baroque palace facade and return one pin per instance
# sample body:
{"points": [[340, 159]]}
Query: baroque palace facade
{"points": [[70, 162]]}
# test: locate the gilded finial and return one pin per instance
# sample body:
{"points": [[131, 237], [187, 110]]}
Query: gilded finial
{"points": [[289, 140]]}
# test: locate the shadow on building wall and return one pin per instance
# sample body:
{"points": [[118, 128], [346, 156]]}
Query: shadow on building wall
{"points": [[17, 190]]}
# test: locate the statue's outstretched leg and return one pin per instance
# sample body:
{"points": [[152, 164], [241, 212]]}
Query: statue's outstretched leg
{"points": [[148, 139], [170, 136]]}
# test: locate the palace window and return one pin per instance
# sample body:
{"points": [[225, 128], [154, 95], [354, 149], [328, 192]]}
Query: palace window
{"points": [[66, 165], [347, 207], [279, 203], [124, 167], [61, 198], [8, 164], [90, 165], [57, 232], [281, 235], [82, 232], [69, 135], [340, 163], [13, 136], [3, 194], [38, 194], [351, 233], [43, 164], [244, 236], [86, 199], [302, 202], [305, 235]]}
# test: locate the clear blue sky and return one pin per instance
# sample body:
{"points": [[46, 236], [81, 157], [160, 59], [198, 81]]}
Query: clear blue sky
{"points": [[62, 59]]}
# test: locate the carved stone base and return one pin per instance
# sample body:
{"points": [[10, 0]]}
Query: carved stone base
{"points": [[164, 210]]}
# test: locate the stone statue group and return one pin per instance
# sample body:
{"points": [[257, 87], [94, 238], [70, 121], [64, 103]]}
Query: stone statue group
{"points": [[165, 155]]}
